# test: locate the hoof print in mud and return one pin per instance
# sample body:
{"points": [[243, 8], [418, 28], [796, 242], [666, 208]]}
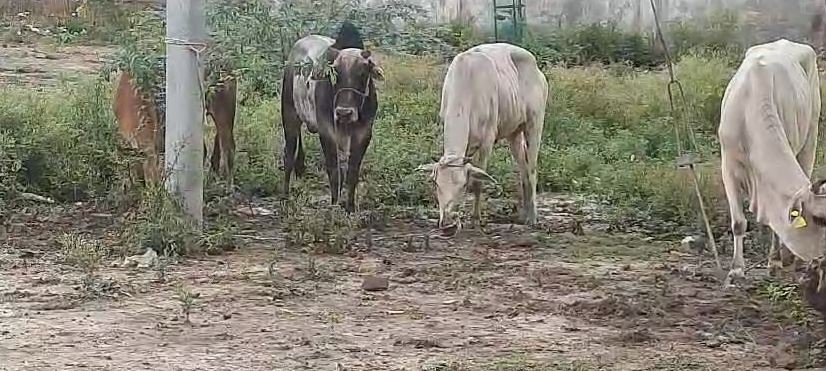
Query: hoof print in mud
{"points": [[375, 283]]}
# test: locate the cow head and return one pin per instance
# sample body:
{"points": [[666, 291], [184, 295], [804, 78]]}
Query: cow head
{"points": [[809, 206], [451, 176], [355, 70]]}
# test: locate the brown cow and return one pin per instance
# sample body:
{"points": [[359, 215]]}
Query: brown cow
{"points": [[141, 126], [138, 126], [220, 106]]}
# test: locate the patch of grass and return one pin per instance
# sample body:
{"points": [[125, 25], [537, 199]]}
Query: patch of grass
{"points": [[85, 254], [520, 363], [159, 224], [219, 237], [186, 298], [680, 363], [319, 229], [82, 253], [604, 245], [787, 301]]}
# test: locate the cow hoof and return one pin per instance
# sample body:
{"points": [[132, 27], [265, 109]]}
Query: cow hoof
{"points": [[735, 276]]}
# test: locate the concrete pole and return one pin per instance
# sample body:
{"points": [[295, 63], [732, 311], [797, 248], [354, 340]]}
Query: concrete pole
{"points": [[186, 34]]}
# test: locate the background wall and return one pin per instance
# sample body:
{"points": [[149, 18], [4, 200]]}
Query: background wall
{"points": [[769, 18]]}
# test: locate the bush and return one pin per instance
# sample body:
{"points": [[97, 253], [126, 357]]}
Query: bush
{"points": [[720, 33], [589, 44], [61, 142]]}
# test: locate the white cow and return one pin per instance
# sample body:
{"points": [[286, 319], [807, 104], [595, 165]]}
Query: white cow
{"points": [[491, 92], [768, 136]]}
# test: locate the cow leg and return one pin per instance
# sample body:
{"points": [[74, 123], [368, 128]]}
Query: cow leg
{"points": [[738, 218], [293, 148], [215, 158], [293, 151], [223, 114], [517, 147], [329, 148], [475, 185], [788, 258], [358, 147], [227, 149], [775, 263], [533, 138]]}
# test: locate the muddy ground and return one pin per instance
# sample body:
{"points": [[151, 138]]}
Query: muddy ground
{"points": [[499, 298]]}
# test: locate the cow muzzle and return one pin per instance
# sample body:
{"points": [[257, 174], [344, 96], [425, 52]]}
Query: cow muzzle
{"points": [[449, 223], [346, 115]]}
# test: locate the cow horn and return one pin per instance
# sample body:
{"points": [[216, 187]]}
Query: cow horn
{"points": [[479, 173], [427, 167]]}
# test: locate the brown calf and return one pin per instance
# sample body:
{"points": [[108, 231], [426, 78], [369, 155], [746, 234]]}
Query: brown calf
{"points": [[142, 129], [220, 105], [138, 126]]}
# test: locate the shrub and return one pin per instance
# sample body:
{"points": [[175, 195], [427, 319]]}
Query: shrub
{"points": [[61, 141]]}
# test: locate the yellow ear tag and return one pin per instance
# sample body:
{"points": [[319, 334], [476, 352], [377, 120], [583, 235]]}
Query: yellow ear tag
{"points": [[798, 221]]}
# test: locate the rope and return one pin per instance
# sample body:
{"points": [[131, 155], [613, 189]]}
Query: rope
{"points": [[672, 84], [198, 48]]}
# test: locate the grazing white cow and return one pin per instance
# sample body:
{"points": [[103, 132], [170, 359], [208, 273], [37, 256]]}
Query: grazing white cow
{"points": [[768, 136], [491, 92]]}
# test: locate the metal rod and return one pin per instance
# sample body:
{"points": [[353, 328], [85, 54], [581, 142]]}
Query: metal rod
{"points": [[674, 82]]}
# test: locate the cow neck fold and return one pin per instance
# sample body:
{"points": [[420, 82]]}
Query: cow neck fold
{"points": [[456, 134]]}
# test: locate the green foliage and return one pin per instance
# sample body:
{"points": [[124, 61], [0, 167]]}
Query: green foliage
{"points": [[721, 33], [324, 229], [160, 224], [186, 298], [253, 39], [788, 300], [59, 143], [142, 52], [589, 44]]}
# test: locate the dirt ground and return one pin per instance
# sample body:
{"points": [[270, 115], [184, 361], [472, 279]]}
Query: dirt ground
{"points": [[46, 65], [501, 298]]}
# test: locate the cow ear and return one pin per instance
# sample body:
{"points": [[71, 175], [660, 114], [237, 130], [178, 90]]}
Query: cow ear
{"points": [[376, 73], [331, 54], [478, 173]]}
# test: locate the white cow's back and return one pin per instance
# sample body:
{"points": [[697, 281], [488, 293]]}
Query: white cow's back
{"points": [[489, 91]]}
